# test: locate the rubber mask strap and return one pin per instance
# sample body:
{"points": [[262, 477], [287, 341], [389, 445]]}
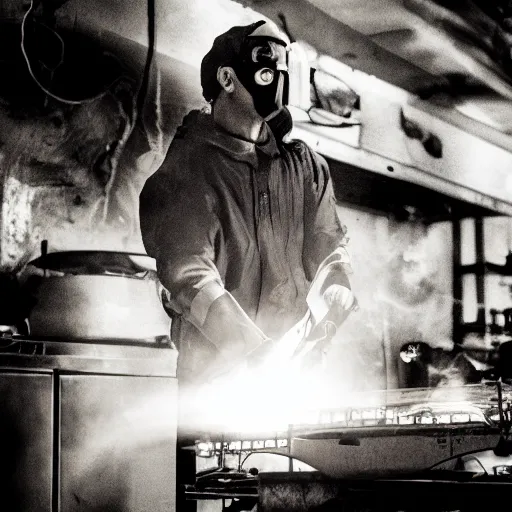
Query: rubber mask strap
{"points": [[280, 91]]}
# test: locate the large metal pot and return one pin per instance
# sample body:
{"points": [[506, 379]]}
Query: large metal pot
{"points": [[96, 295]]}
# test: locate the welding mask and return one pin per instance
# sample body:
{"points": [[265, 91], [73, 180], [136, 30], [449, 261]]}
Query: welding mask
{"points": [[263, 71], [275, 74]]}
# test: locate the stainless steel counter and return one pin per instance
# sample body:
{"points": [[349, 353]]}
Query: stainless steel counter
{"points": [[87, 426]]}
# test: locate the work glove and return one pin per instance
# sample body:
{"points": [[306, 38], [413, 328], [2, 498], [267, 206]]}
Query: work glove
{"points": [[340, 299]]}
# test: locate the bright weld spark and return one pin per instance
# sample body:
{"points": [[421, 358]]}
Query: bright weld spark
{"points": [[269, 398]]}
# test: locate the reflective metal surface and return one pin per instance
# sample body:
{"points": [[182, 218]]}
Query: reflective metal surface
{"points": [[97, 306], [87, 427], [106, 358], [95, 295], [117, 443], [25, 441]]}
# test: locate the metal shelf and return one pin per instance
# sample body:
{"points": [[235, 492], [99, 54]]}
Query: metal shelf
{"points": [[485, 268]]}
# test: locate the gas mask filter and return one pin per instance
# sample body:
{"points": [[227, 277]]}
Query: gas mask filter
{"points": [[280, 122]]}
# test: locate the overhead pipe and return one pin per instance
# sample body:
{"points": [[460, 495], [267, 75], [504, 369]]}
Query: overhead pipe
{"points": [[332, 37], [474, 21], [427, 15]]}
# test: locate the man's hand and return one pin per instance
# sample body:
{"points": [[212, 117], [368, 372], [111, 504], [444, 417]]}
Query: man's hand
{"points": [[341, 298], [340, 302]]}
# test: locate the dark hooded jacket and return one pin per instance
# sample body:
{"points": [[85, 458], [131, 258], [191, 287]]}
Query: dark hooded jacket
{"points": [[226, 215]]}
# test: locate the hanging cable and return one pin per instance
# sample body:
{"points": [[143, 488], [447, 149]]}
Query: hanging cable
{"points": [[138, 105], [39, 84], [284, 25], [141, 96], [61, 42]]}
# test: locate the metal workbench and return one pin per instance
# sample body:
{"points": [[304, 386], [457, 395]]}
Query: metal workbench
{"points": [[87, 426]]}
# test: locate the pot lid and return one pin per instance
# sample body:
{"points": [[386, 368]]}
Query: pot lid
{"points": [[96, 263]]}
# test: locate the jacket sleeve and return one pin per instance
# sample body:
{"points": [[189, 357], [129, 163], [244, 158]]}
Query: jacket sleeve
{"points": [[181, 229], [323, 232]]}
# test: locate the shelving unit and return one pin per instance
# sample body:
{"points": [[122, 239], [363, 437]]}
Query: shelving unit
{"points": [[481, 269]]}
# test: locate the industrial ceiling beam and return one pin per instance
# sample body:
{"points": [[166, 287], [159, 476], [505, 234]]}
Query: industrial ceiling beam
{"points": [[431, 20], [334, 38]]}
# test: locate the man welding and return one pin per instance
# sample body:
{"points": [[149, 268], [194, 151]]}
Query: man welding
{"points": [[238, 219]]}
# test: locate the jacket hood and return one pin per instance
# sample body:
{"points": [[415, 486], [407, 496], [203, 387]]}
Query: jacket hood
{"points": [[201, 127]]}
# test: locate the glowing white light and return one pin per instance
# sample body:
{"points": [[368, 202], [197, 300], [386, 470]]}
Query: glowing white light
{"points": [[267, 399], [204, 449]]}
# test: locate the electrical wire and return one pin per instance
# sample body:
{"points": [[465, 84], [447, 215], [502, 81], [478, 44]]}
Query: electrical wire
{"points": [[7, 345], [151, 14], [318, 98], [465, 454], [39, 84], [61, 41], [275, 452], [284, 25], [138, 103]]}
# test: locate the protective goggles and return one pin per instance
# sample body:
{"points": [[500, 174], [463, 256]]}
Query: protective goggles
{"points": [[268, 59], [271, 58], [271, 53]]}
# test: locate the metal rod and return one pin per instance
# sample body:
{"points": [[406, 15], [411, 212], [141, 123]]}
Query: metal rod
{"points": [[56, 398], [480, 276], [457, 281]]}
